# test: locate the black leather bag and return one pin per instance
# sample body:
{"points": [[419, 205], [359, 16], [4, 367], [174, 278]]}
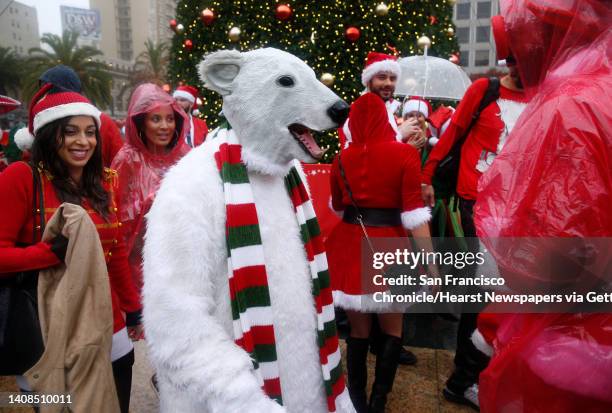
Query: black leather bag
{"points": [[447, 171], [21, 343]]}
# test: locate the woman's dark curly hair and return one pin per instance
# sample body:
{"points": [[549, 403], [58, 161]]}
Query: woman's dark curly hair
{"points": [[49, 139]]}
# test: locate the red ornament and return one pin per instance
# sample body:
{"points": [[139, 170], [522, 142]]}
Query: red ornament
{"points": [[283, 12], [166, 88], [188, 44], [433, 20], [352, 34], [208, 16], [173, 24], [454, 58]]}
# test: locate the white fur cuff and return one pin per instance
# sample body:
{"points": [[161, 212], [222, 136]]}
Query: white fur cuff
{"points": [[416, 217], [481, 344]]}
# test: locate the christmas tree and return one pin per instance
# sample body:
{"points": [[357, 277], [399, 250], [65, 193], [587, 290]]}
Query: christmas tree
{"points": [[331, 36]]}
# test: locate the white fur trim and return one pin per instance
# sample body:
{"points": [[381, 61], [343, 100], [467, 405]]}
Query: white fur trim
{"points": [[121, 344], [433, 140], [61, 111], [481, 344], [339, 214], [416, 217], [382, 66], [347, 134], [24, 139], [415, 105], [184, 95], [365, 303]]}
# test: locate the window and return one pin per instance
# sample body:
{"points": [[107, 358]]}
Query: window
{"points": [[14, 36], [463, 11], [464, 58], [481, 58], [463, 34], [483, 10], [483, 34]]}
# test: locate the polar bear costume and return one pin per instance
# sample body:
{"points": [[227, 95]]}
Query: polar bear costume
{"points": [[271, 99]]}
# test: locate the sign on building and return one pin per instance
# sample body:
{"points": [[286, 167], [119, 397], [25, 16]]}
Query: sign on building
{"points": [[86, 22]]}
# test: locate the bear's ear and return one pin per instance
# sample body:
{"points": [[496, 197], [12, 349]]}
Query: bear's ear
{"points": [[219, 69]]}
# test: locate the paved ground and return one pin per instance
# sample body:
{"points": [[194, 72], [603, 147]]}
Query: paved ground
{"points": [[416, 389]]}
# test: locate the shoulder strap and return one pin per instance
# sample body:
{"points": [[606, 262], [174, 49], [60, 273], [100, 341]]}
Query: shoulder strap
{"points": [[346, 184], [37, 204], [490, 96]]}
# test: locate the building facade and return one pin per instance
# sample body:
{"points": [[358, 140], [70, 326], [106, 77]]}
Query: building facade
{"points": [[472, 19], [127, 24], [18, 27]]}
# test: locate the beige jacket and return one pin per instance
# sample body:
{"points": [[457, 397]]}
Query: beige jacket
{"points": [[76, 319]]}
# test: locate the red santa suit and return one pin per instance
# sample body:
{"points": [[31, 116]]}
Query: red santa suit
{"points": [[382, 173], [485, 140], [553, 179]]}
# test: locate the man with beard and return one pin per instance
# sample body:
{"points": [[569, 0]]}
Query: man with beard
{"points": [[186, 97], [484, 141], [379, 76]]}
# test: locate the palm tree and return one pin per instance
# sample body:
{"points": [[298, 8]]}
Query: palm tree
{"points": [[151, 65], [95, 80], [10, 71]]}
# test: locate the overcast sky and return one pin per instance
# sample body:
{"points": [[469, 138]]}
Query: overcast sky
{"points": [[48, 12]]}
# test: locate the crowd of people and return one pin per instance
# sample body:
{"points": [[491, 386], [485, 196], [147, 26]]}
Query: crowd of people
{"points": [[384, 183]]}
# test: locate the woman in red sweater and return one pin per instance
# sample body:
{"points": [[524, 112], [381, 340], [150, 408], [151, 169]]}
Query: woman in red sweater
{"points": [[66, 153]]}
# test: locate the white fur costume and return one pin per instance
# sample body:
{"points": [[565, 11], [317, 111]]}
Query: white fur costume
{"points": [[187, 312]]}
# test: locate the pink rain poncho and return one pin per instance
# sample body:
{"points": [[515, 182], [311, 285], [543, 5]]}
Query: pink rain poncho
{"points": [[553, 179], [141, 171]]}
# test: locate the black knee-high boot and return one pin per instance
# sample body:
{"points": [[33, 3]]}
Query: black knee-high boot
{"points": [[356, 356], [386, 366]]}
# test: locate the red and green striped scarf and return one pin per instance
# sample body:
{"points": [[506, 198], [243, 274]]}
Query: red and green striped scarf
{"points": [[248, 282]]}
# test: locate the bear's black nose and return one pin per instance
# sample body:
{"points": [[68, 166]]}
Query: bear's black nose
{"points": [[339, 112]]}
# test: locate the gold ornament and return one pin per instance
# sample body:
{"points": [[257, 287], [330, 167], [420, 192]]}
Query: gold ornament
{"points": [[423, 42], [180, 28], [327, 79], [382, 9], [234, 34], [450, 31], [452, 2]]}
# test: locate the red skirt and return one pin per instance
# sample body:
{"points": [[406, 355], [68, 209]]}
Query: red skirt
{"points": [[352, 291]]}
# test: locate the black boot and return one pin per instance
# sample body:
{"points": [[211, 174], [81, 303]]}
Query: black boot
{"points": [[386, 366], [356, 356]]}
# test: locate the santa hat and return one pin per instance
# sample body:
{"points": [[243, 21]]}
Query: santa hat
{"points": [[416, 104], [502, 44], [186, 92], [379, 62], [46, 108]]}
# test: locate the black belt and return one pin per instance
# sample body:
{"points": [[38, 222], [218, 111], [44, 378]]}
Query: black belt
{"points": [[373, 217]]}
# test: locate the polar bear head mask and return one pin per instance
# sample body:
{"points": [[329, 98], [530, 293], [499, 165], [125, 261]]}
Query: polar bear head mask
{"points": [[273, 101]]}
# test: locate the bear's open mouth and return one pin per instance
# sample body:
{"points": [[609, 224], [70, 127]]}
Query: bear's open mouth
{"points": [[303, 135]]}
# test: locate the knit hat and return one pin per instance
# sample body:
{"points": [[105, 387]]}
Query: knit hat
{"points": [[186, 92], [502, 45], [63, 79], [416, 104], [379, 62], [46, 108]]}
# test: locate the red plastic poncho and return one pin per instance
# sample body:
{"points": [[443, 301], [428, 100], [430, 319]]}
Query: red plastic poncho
{"points": [[553, 179], [141, 171]]}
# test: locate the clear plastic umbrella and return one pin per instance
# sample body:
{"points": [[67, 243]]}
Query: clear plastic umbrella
{"points": [[432, 78]]}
